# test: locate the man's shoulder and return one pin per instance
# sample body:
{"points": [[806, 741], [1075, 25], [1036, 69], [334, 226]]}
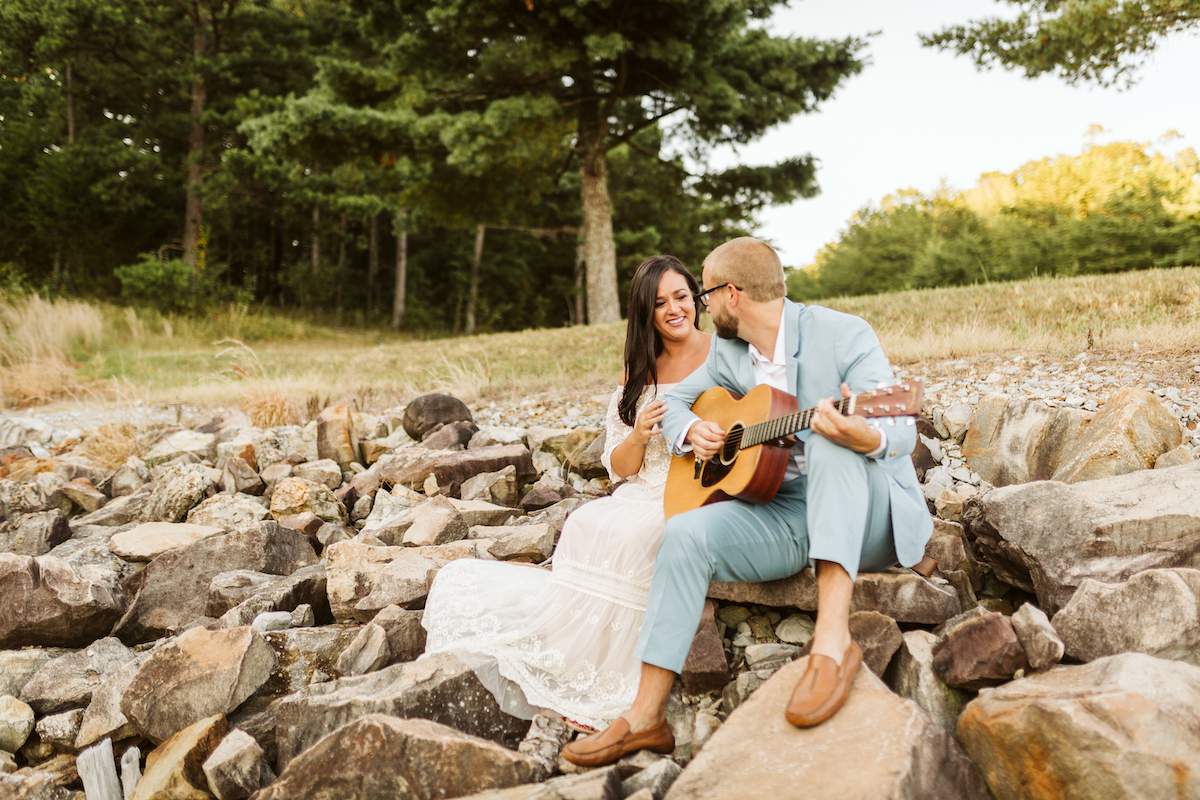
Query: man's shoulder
{"points": [[820, 315]]}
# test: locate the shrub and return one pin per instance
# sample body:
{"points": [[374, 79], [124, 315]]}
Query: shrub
{"points": [[164, 285]]}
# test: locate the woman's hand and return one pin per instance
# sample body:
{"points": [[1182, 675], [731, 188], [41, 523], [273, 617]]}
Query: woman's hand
{"points": [[646, 426]]}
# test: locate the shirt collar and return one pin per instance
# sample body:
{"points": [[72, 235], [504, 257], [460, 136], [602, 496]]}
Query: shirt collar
{"points": [[779, 358]]}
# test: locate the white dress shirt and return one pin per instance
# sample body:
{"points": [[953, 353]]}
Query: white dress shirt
{"points": [[773, 371]]}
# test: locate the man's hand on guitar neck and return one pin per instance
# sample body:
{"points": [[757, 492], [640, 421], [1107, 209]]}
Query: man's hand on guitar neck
{"points": [[706, 439], [852, 432]]}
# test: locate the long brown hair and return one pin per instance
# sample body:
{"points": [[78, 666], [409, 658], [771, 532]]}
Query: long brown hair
{"points": [[643, 345]]}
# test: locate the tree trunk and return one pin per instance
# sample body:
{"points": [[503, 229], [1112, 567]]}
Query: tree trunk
{"points": [[473, 281], [70, 107], [580, 260], [341, 275], [599, 252], [399, 299], [193, 215], [372, 263], [315, 267]]}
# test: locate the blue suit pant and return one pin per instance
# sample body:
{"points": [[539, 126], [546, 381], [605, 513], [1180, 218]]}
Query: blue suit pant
{"points": [[839, 512]]}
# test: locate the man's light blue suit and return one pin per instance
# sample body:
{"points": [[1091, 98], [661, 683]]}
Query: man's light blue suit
{"points": [[859, 512]]}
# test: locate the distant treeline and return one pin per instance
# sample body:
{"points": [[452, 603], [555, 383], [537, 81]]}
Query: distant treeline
{"points": [[437, 165], [1115, 207]]}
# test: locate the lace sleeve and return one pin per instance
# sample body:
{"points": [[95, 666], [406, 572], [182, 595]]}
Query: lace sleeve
{"points": [[615, 431]]}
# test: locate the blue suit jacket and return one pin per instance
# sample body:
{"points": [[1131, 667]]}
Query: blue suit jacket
{"points": [[824, 348]]}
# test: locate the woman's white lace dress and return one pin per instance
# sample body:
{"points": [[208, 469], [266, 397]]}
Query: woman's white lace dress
{"points": [[563, 638]]}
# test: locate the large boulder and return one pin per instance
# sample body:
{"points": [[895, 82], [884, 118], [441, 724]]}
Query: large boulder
{"points": [[1046, 537], [1015, 440], [229, 510], [300, 653], [1122, 726], [1156, 612], [175, 769], [900, 594], [430, 410], [197, 675], [150, 540], [439, 688], [182, 443], [912, 675], [1129, 434], [980, 651], [297, 495], [756, 753], [41, 493], [305, 586], [103, 718], [18, 666], [379, 757], [172, 590], [69, 680], [176, 492], [408, 467], [454, 468], [34, 534], [336, 438], [354, 568], [405, 582], [46, 602]]}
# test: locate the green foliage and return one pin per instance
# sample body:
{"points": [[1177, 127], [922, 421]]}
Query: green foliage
{"points": [[323, 121], [162, 284], [1113, 208], [1100, 41]]}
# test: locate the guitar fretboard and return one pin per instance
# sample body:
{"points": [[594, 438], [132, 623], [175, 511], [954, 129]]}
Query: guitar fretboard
{"points": [[780, 426]]}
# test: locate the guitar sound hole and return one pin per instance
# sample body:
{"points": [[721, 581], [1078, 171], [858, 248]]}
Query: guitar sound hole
{"points": [[733, 441]]}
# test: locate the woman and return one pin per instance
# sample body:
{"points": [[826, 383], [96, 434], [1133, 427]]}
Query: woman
{"points": [[563, 639]]}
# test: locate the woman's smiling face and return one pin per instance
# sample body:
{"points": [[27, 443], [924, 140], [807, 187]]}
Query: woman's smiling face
{"points": [[674, 307]]}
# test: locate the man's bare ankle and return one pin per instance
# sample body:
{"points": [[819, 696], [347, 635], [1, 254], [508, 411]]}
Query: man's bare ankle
{"points": [[640, 722], [831, 646]]}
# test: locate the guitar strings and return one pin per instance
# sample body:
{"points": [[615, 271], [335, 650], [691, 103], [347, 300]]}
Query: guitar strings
{"points": [[779, 427]]}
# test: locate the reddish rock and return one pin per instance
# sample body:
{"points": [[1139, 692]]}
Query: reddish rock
{"points": [[451, 470], [706, 668], [430, 410], [336, 438], [982, 651], [878, 636]]}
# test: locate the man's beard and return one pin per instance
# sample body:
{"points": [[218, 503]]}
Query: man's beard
{"points": [[725, 324]]}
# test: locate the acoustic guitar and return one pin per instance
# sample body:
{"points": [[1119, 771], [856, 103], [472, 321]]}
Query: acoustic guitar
{"points": [[758, 444]]}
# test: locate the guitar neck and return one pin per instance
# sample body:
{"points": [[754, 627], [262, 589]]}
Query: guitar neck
{"points": [[786, 425]]}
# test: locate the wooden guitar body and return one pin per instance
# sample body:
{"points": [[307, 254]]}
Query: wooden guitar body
{"points": [[753, 474]]}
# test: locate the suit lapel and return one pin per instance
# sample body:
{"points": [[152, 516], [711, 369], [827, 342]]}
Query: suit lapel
{"points": [[791, 322]]}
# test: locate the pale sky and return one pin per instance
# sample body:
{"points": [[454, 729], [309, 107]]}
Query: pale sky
{"points": [[916, 116]]}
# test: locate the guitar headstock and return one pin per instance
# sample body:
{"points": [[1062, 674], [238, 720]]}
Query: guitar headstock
{"points": [[901, 400]]}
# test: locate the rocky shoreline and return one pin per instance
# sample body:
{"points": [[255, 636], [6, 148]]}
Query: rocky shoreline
{"points": [[237, 612]]}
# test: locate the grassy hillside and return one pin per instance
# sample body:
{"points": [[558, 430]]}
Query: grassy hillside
{"points": [[51, 350]]}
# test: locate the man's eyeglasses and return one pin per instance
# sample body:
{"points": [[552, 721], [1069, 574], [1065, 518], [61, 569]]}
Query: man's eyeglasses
{"points": [[703, 296]]}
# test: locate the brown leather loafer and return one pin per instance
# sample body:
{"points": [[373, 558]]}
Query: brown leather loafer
{"points": [[615, 741], [823, 689]]}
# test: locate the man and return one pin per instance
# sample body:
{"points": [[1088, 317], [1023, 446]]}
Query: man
{"points": [[850, 499]]}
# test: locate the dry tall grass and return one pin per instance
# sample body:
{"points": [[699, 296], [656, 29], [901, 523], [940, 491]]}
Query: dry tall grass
{"points": [[269, 406], [38, 342], [1122, 315], [111, 444], [1149, 311]]}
